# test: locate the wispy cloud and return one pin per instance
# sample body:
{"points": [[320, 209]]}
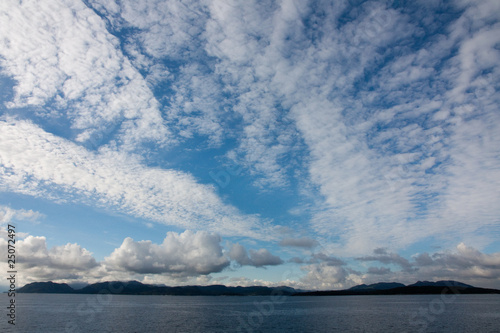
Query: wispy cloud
{"points": [[37, 163], [8, 214]]}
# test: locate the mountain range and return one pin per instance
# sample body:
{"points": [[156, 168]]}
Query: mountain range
{"points": [[138, 288]]}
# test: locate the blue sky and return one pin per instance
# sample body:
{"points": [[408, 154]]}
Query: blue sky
{"points": [[318, 144]]}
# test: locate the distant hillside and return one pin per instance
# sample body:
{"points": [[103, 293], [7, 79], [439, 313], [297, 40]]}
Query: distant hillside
{"points": [[46, 288], [419, 288], [137, 288], [378, 286], [440, 284]]}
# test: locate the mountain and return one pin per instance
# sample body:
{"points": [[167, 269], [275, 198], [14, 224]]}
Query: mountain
{"points": [[448, 283], [418, 288], [377, 286], [117, 287], [138, 288], [46, 288]]}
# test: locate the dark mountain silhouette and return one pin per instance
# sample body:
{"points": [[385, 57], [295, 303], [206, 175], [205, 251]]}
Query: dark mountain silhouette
{"points": [[440, 284], [137, 288], [377, 286], [46, 288], [419, 288]]}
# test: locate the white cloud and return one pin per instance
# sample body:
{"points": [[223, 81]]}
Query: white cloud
{"points": [[382, 168], [37, 163], [167, 44], [34, 253], [182, 258], [70, 64], [247, 37], [8, 215], [185, 254], [327, 277], [180, 21], [35, 262]]}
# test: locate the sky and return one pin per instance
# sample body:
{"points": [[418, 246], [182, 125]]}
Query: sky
{"points": [[314, 144]]}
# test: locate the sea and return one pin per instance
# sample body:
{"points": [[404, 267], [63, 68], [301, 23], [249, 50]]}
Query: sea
{"points": [[102, 313]]}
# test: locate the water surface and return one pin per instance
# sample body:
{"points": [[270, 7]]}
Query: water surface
{"points": [[122, 313]]}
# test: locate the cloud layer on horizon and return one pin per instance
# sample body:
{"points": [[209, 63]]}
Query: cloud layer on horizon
{"points": [[193, 257]]}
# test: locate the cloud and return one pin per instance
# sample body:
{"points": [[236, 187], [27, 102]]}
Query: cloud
{"points": [[37, 163], [72, 69], [186, 254], [383, 170], [197, 105], [326, 277], [385, 257], [34, 253], [36, 262], [257, 258], [8, 215], [378, 270], [328, 260], [304, 242], [245, 37], [182, 258], [465, 262]]}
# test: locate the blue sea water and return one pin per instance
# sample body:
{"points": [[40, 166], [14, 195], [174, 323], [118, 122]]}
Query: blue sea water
{"points": [[121, 313]]}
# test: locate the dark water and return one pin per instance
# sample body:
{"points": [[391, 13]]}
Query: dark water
{"points": [[119, 313]]}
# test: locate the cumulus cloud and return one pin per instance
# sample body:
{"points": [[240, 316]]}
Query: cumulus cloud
{"points": [[36, 262], [257, 258], [182, 258], [327, 277], [34, 253], [465, 262], [184, 254]]}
